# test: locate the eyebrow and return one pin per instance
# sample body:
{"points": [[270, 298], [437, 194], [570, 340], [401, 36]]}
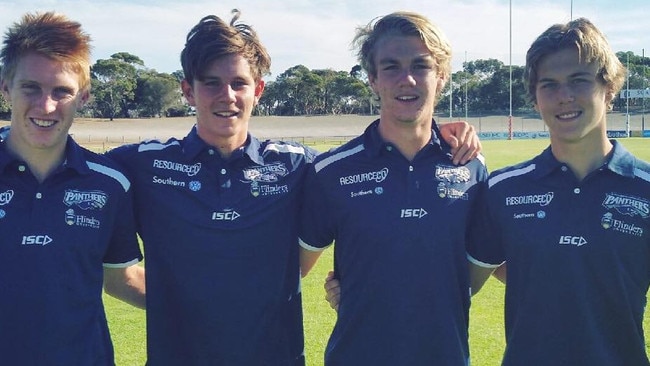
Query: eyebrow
{"points": [[393, 60], [574, 75]]}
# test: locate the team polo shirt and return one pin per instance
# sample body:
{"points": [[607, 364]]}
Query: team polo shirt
{"points": [[399, 229], [221, 242], [578, 255], [55, 238]]}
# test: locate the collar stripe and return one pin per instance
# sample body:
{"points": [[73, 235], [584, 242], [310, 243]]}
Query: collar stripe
{"points": [[513, 173], [110, 172], [338, 156]]}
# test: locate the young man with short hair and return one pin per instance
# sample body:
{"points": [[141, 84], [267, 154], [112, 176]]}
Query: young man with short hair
{"points": [[397, 210], [65, 213], [573, 223]]}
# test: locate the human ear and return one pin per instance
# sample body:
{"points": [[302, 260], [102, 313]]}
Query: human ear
{"points": [[4, 89], [188, 92]]}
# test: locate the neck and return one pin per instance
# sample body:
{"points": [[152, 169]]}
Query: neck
{"points": [[225, 145], [582, 157], [409, 138], [41, 162]]}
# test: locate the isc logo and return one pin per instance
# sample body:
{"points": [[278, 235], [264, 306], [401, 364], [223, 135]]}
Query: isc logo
{"points": [[417, 213], [36, 240], [225, 216], [573, 240]]}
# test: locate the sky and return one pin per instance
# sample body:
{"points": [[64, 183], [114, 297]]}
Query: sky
{"points": [[317, 33]]}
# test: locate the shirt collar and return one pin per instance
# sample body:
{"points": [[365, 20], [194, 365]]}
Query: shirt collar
{"points": [[193, 146], [621, 162], [75, 157], [374, 144]]}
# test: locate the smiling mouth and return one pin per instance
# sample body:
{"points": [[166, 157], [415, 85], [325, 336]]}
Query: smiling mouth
{"points": [[43, 123], [570, 115], [225, 114], [407, 98]]}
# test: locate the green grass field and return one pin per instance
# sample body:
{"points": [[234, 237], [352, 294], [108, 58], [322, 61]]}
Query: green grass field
{"points": [[486, 316]]}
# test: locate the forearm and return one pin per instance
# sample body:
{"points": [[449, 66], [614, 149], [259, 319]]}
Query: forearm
{"points": [[126, 284]]}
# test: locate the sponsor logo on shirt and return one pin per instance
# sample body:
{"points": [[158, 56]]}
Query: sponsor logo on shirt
{"points": [[71, 218], [85, 200], [610, 223], [268, 189], [377, 176], [195, 186], [415, 213], [367, 192], [543, 199], [37, 240], [453, 174], [445, 190], [627, 205], [577, 241], [529, 215], [168, 181], [267, 173], [226, 215], [190, 170], [6, 196]]}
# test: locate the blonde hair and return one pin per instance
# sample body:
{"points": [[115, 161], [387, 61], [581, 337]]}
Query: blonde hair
{"points": [[403, 23]]}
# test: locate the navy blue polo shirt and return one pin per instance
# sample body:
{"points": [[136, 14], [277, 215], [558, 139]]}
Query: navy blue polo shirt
{"points": [[400, 230], [55, 238], [578, 257], [221, 242]]}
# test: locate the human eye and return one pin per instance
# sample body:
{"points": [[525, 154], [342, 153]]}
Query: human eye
{"points": [[30, 88], [546, 85], [388, 66], [580, 81], [63, 93], [423, 65], [212, 83], [239, 84]]}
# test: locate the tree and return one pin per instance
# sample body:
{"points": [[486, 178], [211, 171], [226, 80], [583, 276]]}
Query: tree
{"points": [[156, 93], [5, 108], [488, 87], [114, 81], [300, 91]]}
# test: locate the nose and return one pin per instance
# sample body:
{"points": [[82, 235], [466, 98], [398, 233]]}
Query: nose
{"points": [[407, 78], [566, 94], [48, 103], [227, 94]]}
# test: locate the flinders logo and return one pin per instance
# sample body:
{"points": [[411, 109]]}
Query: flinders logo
{"points": [[608, 222]]}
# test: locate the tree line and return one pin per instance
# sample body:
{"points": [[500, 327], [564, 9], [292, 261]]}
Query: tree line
{"points": [[123, 87]]}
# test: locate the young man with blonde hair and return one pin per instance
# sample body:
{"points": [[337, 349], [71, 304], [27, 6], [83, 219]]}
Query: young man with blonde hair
{"points": [[397, 210]]}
